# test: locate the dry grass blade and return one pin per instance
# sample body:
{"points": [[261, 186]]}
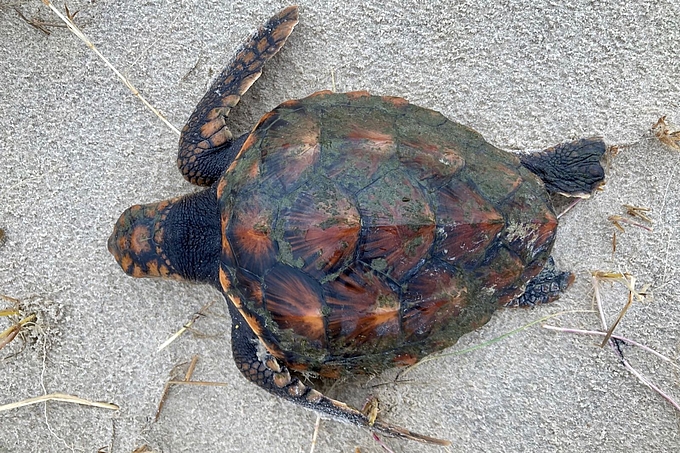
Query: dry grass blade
{"points": [[187, 381], [626, 280], [199, 383], [569, 208], [76, 31], [381, 443], [315, 436], [617, 337], [38, 24], [639, 212], [12, 300], [143, 449], [58, 397], [617, 220], [9, 334], [9, 312], [665, 135], [185, 327], [599, 276], [622, 313]]}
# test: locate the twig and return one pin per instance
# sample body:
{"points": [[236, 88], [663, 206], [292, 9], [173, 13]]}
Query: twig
{"points": [[597, 333], [58, 397], [597, 276], [199, 383], [185, 327], [317, 425], [76, 31]]}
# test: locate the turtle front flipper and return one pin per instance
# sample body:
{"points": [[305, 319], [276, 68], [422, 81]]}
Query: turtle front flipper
{"points": [[263, 369], [206, 146], [572, 169]]}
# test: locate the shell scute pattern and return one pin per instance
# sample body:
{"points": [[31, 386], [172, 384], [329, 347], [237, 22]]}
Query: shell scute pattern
{"points": [[364, 230]]}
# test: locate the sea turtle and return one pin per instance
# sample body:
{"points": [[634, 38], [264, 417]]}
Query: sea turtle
{"points": [[350, 233]]}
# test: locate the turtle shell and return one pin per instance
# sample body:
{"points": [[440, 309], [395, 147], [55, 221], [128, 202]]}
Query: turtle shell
{"points": [[360, 232]]}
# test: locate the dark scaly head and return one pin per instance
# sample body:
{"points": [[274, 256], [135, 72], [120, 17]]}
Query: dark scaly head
{"points": [[178, 239]]}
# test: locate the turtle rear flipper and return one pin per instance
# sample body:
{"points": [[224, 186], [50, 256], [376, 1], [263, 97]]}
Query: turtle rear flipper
{"points": [[265, 370], [545, 287], [206, 146], [572, 169]]}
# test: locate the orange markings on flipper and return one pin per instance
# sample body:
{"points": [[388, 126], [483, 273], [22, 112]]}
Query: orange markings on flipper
{"points": [[207, 128]]}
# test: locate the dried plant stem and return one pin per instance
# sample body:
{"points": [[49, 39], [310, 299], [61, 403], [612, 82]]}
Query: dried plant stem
{"points": [[315, 436], [185, 327], [76, 31], [58, 397], [597, 333], [199, 383], [609, 337]]}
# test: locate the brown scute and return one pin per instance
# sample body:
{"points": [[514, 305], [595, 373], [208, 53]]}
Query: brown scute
{"points": [[246, 82], [137, 271], [265, 122], [273, 365], [230, 101], [395, 250], [289, 104], [292, 147], [287, 19], [357, 94], [126, 263], [531, 228], [248, 57], [295, 301], [220, 189], [374, 328], [399, 225], [297, 390], [322, 227], [468, 222], [364, 309], [250, 235], [433, 165], [501, 268], [164, 271], [320, 94], [395, 101], [227, 255], [250, 287], [152, 268], [363, 232], [282, 379], [314, 396], [434, 295], [215, 134], [382, 142]]}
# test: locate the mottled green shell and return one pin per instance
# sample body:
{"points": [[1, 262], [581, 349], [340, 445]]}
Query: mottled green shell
{"points": [[360, 232]]}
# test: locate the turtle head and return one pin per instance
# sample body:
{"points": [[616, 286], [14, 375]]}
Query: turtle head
{"points": [[178, 239]]}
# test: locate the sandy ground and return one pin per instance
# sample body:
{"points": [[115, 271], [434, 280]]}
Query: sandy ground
{"points": [[77, 148]]}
